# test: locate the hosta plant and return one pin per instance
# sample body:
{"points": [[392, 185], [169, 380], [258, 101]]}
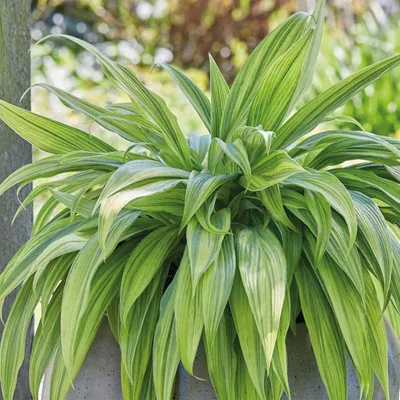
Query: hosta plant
{"points": [[223, 238]]}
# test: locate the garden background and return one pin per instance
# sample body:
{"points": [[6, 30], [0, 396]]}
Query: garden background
{"points": [[142, 34]]}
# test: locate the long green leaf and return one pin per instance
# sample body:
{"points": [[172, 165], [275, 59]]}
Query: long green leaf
{"points": [[244, 385], [130, 127], [374, 228], [200, 187], [314, 112], [326, 338], [253, 72], [104, 289], [151, 104], [112, 206], [48, 135], [334, 192], [188, 315], [193, 93], [348, 307], [237, 152], [138, 171], [203, 246], [56, 271], [262, 266], [136, 332], [321, 212], [313, 51], [219, 94], [19, 267], [59, 248], [143, 264], [221, 359], [45, 344], [249, 339], [216, 285], [275, 96], [12, 348], [271, 170], [272, 201], [77, 287], [165, 347], [377, 335]]}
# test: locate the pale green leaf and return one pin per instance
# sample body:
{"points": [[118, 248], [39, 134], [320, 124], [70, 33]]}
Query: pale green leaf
{"points": [[321, 212], [292, 243], [377, 335], [193, 93], [237, 152], [77, 288], [221, 359], [143, 264], [253, 72], [272, 201], [216, 285], [104, 288], [203, 246], [151, 105], [165, 347], [314, 112], [374, 228], [111, 207], [45, 343], [49, 135], [318, 18], [138, 171], [200, 187], [205, 217], [348, 307], [188, 315], [136, 332], [325, 335], [12, 347], [334, 192], [56, 271], [250, 342], [59, 248], [262, 266], [244, 385], [271, 170], [199, 145], [276, 94], [19, 267], [130, 127], [219, 94], [279, 358]]}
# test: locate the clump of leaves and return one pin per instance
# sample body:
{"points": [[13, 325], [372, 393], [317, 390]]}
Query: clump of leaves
{"points": [[223, 238]]}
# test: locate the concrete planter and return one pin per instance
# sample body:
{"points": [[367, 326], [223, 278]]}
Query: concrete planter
{"points": [[306, 383], [99, 376]]}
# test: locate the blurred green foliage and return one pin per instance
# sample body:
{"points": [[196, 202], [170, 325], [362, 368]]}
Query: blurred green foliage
{"points": [[374, 37]]}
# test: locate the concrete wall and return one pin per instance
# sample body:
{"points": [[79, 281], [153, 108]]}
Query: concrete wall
{"points": [[14, 152], [99, 376]]}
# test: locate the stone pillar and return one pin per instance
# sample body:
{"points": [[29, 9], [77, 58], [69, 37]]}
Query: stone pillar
{"points": [[14, 151]]}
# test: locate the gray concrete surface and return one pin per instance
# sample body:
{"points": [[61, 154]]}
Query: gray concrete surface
{"points": [[15, 40], [188, 387], [306, 383], [99, 376]]}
